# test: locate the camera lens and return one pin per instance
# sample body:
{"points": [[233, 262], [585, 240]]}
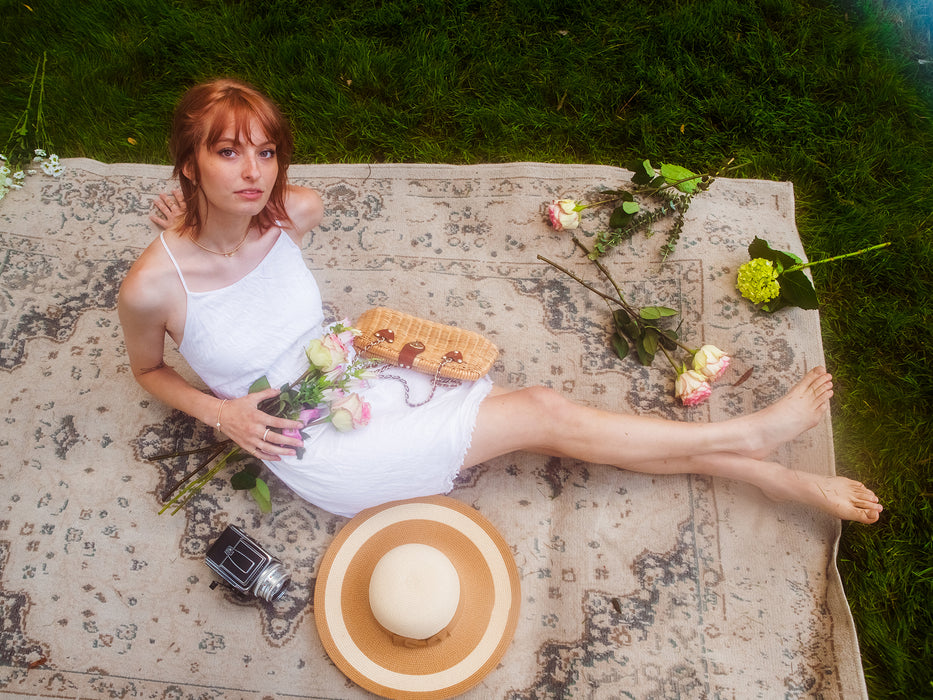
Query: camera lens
{"points": [[272, 582]]}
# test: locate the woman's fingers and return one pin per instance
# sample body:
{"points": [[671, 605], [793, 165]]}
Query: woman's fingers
{"points": [[170, 208]]}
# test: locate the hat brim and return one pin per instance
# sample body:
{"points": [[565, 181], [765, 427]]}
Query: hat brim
{"points": [[490, 597]]}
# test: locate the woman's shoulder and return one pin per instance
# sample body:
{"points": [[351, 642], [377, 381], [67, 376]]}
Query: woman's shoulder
{"points": [[305, 209], [151, 281]]}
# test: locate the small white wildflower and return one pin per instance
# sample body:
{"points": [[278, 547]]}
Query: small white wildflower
{"points": [[4, 170], [19, 175], [53, 159], [40, 153], [53, 169]]}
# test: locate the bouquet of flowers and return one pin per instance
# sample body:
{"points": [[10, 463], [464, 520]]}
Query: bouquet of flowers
{"points": [[323, 394]]}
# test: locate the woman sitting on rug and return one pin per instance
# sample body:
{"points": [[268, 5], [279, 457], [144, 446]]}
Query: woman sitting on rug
{"points": [[227, 282]]}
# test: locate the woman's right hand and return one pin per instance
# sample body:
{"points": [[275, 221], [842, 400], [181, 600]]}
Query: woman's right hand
{"points": [[254, 430], [169, 209]]}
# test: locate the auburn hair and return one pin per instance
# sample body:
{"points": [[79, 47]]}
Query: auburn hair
{"points": [[201, 118]]}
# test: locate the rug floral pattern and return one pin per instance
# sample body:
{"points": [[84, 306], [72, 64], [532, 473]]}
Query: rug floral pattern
{"points": [[632, 585]]}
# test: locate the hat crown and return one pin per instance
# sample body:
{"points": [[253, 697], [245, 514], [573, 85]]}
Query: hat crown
{"points": [[414, 591]]}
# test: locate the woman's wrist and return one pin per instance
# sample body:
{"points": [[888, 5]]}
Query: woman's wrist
{"points": [[220, 412]]}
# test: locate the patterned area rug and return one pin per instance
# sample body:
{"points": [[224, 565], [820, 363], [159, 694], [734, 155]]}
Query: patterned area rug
{"points": [[632, 586]]}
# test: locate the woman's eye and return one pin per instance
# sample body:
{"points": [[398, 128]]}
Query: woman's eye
{"points": [[226, 152], [268, 153]]}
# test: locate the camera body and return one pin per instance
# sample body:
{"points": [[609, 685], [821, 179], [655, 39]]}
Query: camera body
{"points": [[246, 567]]}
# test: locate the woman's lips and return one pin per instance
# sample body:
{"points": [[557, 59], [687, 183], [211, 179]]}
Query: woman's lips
{"points": [[249, 194]]}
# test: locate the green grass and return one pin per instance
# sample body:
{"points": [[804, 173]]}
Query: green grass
{"points": [[828, 95]]}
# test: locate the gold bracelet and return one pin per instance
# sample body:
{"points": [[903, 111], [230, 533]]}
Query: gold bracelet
{"points": [[219, 411]]}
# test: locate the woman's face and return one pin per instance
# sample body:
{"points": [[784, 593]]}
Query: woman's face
{"points": [[237, 176]]}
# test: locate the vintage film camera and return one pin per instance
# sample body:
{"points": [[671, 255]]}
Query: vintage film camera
{"points": [[240, 561]]}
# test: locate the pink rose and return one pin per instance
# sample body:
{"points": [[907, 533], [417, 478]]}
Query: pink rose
{"points": [[563, 213], [292, 433], [711, 362], [340, 351], [349, 412], [691, 388], [309, 415]]}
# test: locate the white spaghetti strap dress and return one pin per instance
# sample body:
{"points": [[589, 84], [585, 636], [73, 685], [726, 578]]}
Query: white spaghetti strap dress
{"points": [[261, 325]]}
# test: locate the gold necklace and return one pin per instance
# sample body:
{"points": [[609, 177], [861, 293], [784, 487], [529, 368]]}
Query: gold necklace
{"points": [[228, 254]]}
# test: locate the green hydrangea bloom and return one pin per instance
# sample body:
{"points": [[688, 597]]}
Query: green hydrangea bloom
{"points": [[757, 281]]}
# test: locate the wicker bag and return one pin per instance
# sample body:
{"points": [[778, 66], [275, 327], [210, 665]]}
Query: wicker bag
{"points": [[426, 346]]}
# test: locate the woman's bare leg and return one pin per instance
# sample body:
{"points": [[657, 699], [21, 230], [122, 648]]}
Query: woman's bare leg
{"points": [[836, 495], [540, 420]]}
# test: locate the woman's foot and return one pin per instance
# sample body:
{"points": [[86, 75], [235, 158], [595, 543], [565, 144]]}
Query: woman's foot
{"points": [[836, 495], [797, 411]]}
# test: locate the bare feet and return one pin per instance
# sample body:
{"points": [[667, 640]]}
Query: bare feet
{"points": [[796, 412], [836, 495]]}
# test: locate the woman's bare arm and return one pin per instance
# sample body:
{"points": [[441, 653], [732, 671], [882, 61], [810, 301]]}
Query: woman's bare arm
{"points": [[143, 309]]}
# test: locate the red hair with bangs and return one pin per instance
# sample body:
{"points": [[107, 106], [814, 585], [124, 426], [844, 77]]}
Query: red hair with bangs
{"points": [[201, 117]]}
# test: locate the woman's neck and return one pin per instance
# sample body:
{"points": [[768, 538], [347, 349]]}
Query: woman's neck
{"points": [[223, 231]]}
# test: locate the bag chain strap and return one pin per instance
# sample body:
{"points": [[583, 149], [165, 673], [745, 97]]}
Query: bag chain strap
{"points": [[436, 381]]}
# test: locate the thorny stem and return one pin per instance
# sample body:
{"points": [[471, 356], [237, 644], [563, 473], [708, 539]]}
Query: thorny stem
{"points": [[580, 281], [668, 355], [633, 314], [219, 447], [185, 453], [606, 274]]}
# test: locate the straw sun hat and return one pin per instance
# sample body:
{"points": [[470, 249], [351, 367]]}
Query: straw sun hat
{"points": [[417, 598]]}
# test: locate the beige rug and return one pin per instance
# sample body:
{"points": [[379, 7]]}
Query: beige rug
{"points": [[632, 586]]}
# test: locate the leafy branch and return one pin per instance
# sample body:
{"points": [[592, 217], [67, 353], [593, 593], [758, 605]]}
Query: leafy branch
{"points": [[674, 185]]}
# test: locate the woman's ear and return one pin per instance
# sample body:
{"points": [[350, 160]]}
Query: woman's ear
{"points": [[190, 171]]}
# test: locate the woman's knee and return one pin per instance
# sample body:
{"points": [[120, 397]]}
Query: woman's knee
{"points": [[547, 404]]}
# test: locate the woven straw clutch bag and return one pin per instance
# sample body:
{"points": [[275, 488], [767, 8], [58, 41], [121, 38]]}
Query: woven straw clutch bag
{"points": [[426, 346]]}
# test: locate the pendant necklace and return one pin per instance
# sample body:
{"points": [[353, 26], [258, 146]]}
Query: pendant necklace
{"points": [[228, 254]]}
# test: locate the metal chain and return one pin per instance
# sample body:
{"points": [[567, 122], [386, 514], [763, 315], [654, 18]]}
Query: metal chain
{"points": [[437, 381]]}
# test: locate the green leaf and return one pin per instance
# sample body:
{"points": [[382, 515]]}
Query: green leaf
{"points": [[667, 339], [643, 171], [647, 346], [630, 207], [626, 325], [260, 384], [260, 494], [243, 481], [653, 313], [797, 290], [684, 180], [620, 218], [620, 345], [760, 248]]}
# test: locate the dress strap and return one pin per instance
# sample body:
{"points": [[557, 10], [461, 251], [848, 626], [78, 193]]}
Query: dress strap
{"points": [[172, 258]]}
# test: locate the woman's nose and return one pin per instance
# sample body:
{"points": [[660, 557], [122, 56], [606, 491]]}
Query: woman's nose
{"points": [[250, 168]]}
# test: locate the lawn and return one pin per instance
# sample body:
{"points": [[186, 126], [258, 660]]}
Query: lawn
{"points": [[836, 97]]}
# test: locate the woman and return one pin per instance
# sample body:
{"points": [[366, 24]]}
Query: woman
{"points": [[225, 280]]}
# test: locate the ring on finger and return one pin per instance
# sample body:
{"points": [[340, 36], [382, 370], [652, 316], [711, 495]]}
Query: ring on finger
{"points": [[265, 433]]}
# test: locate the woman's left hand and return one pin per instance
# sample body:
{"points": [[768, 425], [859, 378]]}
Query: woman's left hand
{"points": [[169, 209], [257, 432]]}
